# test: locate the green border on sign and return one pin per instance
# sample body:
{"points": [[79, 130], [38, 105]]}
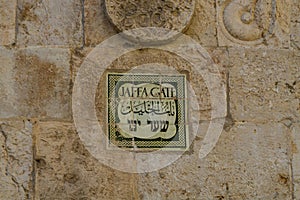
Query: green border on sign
{"points": [[180, 142]]}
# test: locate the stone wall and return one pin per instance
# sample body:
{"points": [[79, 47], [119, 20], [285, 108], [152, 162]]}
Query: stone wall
{"points": [[42, 46]]}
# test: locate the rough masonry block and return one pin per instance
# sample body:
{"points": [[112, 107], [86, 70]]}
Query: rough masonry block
{"points": [[8, 22], [8, 96], [250, 161], [35, 83], [264, 84], [50, 22], [66, 170], [16, 160]]}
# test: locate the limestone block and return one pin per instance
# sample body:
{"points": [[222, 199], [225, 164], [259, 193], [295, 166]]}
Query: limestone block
{"points": [[251, 23], [203, 25], [51, 22], [42, 78], [249, 162], [35, 82], [295, 25], [264, 84], [66, 170], [8, 97], [16, 160], [295, 35], [7, 22], [97, 26], [295, 11]]}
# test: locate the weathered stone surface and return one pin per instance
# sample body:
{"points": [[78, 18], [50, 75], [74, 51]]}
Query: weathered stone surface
{"points": [[172, 15], [35, 82], [7, 22], [254, 23], [78, 56], [42, 78], [295, 25], [97, 26], [16, 160], [295, 11], [51, 22], [202, 27], [7, 93], [203, 24], [264, 84], [295, 35], [296, 159], [249, 162], [66, 170], [220, 56]]}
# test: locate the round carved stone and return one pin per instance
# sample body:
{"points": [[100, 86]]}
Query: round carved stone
{"points": [[248, 22], [130, 15]]}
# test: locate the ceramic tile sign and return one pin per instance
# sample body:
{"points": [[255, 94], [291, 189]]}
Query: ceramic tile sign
{"points": [[147, 111]]}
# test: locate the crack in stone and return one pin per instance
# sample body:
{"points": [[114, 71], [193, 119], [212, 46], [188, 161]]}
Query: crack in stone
{"points": [[229, 121], [83, 22], [5, 142], [295, 45]]}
